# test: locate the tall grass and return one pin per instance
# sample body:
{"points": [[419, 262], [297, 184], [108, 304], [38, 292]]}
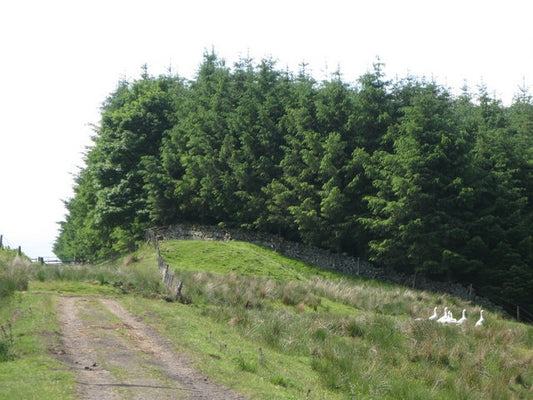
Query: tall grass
{"points": [[345, 338], [13, 272], [6, 341], [363, 339], [133, 274], [13, 277]]}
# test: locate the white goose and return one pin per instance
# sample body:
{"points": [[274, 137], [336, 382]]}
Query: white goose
{"points": [[451, 319], [481, 319], [434, 315], [442, 320], [462, 319]]}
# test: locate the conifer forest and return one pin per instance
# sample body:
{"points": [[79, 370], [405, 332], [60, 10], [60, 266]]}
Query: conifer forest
{"points": [[401, 172]]}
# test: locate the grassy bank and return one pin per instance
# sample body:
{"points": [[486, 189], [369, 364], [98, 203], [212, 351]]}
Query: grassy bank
{"points": [[275, 328], [136, 273], [294, 331]]}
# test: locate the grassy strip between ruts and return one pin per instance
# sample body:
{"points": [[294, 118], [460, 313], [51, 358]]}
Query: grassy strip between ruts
{"points": [[31, 371]]}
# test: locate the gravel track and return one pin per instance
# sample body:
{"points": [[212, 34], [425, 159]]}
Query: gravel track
{"points": [[116, 356]]}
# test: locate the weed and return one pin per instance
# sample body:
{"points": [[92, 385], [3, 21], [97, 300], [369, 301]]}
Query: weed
{"points": [[135, 274], [280, 381], [246, 363], [13, 273], [320, 334], [41, 275], [273, 329], [355, 327], [6, 342], [342, 337], [361, 336]]}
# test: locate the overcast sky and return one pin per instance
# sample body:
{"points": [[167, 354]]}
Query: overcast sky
{"points": [[60, 59]]}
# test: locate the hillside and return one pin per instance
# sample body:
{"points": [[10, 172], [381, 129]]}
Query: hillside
{"points": [[402, 173], [305, 330], [354, 337], [274, 328]]}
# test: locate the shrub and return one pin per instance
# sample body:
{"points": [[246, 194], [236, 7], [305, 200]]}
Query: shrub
{"points": [[13, 277], [246, 363], [6, 342]]}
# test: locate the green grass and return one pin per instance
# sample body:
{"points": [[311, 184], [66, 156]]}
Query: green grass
{"points": [[31, 372], [220, 349], [73, 287], [13, 272], [136, 273], [346, 338], [275, 328], [235, 257]]}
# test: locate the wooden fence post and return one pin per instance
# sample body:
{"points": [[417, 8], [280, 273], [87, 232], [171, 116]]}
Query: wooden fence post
{"points": [[1, 238], [20, 251]]}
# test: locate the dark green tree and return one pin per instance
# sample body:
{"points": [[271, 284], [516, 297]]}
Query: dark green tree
{"points": [[251, 150], [418, 180], [134, 119], [301, 160], [503, 193], [417, 186], [80, 239], [192, 151]]}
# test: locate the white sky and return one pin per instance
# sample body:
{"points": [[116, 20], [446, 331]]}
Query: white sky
{"points": [[60, 59]]}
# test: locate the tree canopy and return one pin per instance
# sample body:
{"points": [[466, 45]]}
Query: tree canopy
{"points": [[403, 173]]}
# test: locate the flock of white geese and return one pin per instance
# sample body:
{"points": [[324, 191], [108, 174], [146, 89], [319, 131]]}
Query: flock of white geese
{"points": [[447, 317]]}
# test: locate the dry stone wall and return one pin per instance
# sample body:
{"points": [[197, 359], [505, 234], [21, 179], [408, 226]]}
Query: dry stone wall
{"points": [[350, 265]]}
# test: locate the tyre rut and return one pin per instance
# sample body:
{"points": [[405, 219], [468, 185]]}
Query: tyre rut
{"points": [[115, 355]]}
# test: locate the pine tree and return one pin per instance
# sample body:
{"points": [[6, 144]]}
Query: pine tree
{"points": [[413, 211]]}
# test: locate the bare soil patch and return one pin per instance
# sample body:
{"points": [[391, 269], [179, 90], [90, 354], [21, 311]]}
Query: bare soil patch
{"points": [[117, 356]]}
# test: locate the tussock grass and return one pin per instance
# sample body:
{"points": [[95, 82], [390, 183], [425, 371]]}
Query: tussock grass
{"points": [[360, 339], [13, 278], [131, 274], [275, 328], [13, 272]]}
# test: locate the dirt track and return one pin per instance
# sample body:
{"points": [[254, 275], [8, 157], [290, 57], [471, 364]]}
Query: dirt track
{"points": [[116, 356]]}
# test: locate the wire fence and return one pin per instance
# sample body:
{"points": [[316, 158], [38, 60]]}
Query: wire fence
{"points": [[4, 244], [173, 285], [518, 312], [51, 260], [48, 260]]}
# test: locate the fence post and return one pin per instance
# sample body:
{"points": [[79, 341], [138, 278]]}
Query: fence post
{"points": [[20, 251], [1, 238]]}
